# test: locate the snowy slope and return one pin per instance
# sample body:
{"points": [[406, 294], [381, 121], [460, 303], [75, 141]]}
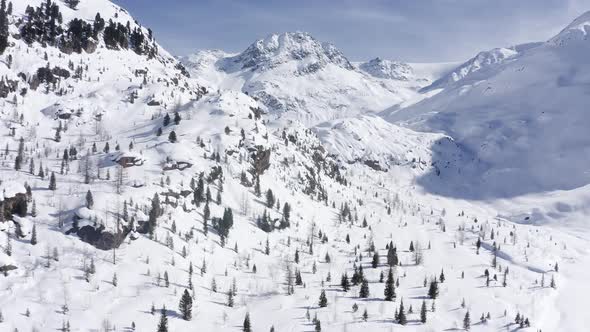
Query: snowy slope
{"points": [[523, 121], [482, 62], [222, 135], [376, 142]]}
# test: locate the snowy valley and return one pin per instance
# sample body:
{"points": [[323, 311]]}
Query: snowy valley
{"points": [[286, 188]]}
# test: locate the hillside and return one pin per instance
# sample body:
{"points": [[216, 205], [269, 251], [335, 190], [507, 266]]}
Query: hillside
{"points": [[137, 195], [521, 119]]}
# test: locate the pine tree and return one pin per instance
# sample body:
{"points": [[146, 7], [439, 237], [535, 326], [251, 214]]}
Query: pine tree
{"points": [[72, 3], [318, 326], [323, 302], [186, 305], [4, 32], [172, 137], [52, 182], [467, 322], [401, 314], [392, 259], [344, 282], [8, 247], [375, 261], [270, 199], [423, 312], [177, 118], [364, 291], [163, 324], [34, 209], [230, 298], [89, 200], [365, 315], [257, 191], [389, 286], [246, 327], [433, 290], [166, 280], [34, 235]]}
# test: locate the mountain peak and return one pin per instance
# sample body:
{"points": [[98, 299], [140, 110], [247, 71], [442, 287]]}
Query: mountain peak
{"points": [[387, 69], [301, 47], [577, 30]]}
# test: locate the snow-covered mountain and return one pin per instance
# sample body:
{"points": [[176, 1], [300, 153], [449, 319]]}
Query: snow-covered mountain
{"points": [[521, 117], [132, 190], [479, 65], [296, 76], [387, 69]]}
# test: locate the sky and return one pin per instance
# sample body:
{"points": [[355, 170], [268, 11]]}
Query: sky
{"points": [[406, 30]]}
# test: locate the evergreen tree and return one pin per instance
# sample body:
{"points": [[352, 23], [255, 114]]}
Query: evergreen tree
{"points": [[166, 120], [433, 290], [287, 212], [52, 182], [230, 298], [257, 191], [89, 200], [401, 314], [392, 259], [246, 327], [318, 326], [375, 261], [365, 315], [172, 137], [176, 118], [423, 312], [323, 302], [467, 322], [389, 286], [72, 3], [163, 324], [270, 199], [34, 235], [364, 291], [4, 33], [344, 282], [186, 305]]}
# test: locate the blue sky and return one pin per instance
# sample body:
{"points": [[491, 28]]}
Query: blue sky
{"points": [[409, 30]]}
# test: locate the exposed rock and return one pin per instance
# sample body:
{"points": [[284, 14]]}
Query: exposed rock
{"points": [[16, 204], [260, 160], [6, 87], [60, 72], [375, 165], [100, 239], [180, 165], [128, 159]]}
